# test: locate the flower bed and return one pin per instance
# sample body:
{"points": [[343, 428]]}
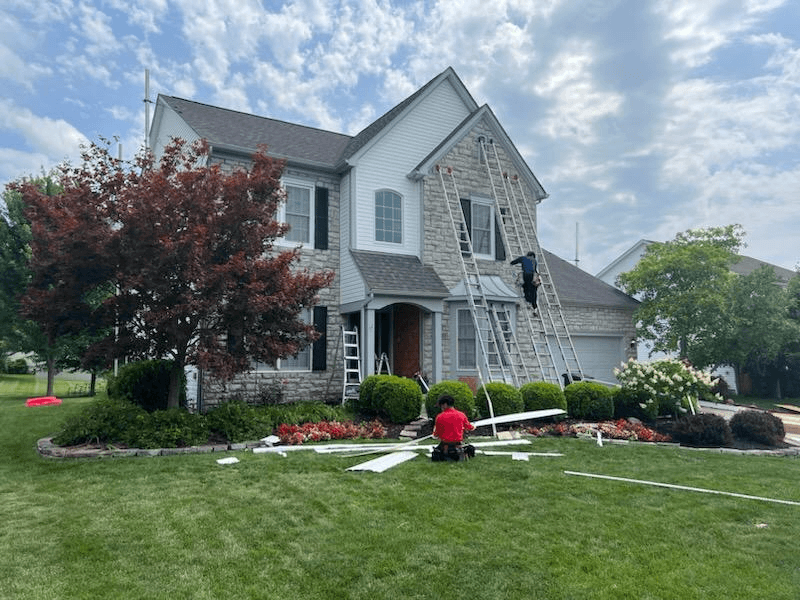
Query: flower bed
{"points": [[621, 429], [329, 430]]}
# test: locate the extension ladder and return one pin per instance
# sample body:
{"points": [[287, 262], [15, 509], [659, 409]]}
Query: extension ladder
{"points": [[518, 229]]}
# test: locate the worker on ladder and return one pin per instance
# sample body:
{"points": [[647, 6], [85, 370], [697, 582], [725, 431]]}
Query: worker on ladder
{"points": [[530, 276]]}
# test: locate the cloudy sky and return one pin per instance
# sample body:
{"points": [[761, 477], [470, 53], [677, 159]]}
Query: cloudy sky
{"points": [[641, 119]]}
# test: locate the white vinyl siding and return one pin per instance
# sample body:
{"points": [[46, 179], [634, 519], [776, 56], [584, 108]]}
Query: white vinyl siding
{"points": [[387, 161]]}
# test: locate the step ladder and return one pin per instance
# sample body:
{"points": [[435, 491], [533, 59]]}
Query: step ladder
{"points": [[352, 365], [518, 229]]}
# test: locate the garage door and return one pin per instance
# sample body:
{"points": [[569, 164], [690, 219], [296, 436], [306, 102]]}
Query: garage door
{"points": [[599, 355]]}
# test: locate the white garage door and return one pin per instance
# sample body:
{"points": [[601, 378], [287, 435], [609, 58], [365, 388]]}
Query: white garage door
{"points": [[599, 355]]}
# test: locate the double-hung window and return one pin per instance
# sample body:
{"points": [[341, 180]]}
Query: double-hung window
{"points": [[388, 217], [298, 213], [467, 342], [299, 362]]}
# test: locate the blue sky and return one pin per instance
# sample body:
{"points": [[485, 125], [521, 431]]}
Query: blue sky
{"points": [[641, 119]]}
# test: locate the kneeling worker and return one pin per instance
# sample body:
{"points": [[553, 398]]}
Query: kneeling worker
{"points": [[449, 427]]}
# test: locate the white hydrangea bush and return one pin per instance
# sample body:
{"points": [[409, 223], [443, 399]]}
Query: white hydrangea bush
{"points": [[669, 386]]}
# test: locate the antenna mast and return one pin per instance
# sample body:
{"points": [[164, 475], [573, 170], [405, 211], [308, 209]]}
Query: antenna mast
{"points": [[577, 260], [147, 109]]}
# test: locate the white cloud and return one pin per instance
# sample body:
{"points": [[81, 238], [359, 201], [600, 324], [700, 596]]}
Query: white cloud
{"points": [[576, 102], [54, 138]]}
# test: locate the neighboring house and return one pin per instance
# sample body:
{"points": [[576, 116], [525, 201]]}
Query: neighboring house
{"points": [[372, 208], [629, 259]]}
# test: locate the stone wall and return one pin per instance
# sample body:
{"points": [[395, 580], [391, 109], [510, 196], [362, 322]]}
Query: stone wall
{"points": [[291, 386]]}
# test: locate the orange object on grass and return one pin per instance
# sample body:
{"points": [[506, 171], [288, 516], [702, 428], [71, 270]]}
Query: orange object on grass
{"points": [[42, 401]]}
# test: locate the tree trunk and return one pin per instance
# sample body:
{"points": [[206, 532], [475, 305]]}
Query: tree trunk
{"points": [[175, 379], [92, 383], [51, 374]]}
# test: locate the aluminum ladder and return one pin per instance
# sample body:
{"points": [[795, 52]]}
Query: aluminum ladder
{"points": [[352, 365], [518, 228]]}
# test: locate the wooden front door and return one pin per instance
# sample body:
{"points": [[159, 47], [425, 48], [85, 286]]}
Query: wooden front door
{"points": [[407, 326]]}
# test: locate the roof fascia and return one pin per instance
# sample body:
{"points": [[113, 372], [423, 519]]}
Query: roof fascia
{"points": [[643, 243], [427, 166]]}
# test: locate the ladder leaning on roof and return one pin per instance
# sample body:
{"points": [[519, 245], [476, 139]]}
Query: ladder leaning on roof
{"points": [[518, 229], [352, 365]]}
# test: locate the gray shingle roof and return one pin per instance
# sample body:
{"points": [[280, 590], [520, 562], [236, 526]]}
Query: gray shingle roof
{"points": [[576, 286], [244, 132], [398, 273]]}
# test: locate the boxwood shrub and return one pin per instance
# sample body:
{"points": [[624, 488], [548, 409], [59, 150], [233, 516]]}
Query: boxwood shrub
{"points": [[234, 421], [541, 395], [145, 383], [104, 421], [400, 398], [758, 426], [461, 393], [366, 403], [589, 400], [506, 399]]}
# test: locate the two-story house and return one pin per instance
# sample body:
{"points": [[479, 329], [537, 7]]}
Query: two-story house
{"points": [[377, 209]]}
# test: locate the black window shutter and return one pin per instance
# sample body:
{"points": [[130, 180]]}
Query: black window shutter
{"points": [[321, 218], [499, 247], [319, 350], [466, 208]]}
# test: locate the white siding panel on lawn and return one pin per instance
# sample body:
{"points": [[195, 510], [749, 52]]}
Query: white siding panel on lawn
{"points": [[170, 126], [599, 355], [386, 163]]}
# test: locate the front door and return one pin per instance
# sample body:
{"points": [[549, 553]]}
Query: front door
{"points": [[406, 346]]}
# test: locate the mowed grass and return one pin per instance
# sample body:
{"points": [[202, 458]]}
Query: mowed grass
{"points": [[302, 527]]}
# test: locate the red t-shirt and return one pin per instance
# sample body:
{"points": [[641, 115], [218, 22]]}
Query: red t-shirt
{"points": [[451, 424]]}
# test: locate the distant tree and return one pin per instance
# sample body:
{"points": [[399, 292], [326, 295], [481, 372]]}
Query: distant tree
{"points": [[684, 286], [759, 327], [15, 240], [66, 264], [190, 251]]}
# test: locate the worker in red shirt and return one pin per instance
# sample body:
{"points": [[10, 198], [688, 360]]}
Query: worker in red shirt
{"points": [[449, 427]]}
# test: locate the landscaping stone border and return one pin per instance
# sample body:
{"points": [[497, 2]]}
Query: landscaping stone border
{"points": [[48, 449]]}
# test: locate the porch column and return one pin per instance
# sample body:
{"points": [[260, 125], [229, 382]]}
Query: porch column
{"points": [[368, 341], [436, 349]]}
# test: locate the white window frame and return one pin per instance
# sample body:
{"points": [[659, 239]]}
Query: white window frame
{"points": [[466, 314], [399, 220], [282, 212], [483, 203], [300, 363]]}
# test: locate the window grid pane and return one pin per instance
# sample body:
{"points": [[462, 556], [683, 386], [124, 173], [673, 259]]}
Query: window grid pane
{"points": [[481, 228], [388, 217], [298, 214], [466, 340]]}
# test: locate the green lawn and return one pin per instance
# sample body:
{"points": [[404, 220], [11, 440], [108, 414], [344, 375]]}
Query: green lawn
{"points": [[301, 527]]}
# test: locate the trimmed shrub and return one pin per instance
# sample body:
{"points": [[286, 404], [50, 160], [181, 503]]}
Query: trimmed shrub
{"points": [[234, 421], [145, 383], [104, 421], [461, 393], [630, 402], [589, 400], [541, 395], [366, 403], [757, 426], [506, 399], [171, 428], [704, 429], [400, 398]]}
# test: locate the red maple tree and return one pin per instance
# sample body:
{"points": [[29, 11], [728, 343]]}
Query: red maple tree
{"points": [[190, 250]]}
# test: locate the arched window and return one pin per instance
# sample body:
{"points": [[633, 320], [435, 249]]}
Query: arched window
{"points": [[388, 217]]}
